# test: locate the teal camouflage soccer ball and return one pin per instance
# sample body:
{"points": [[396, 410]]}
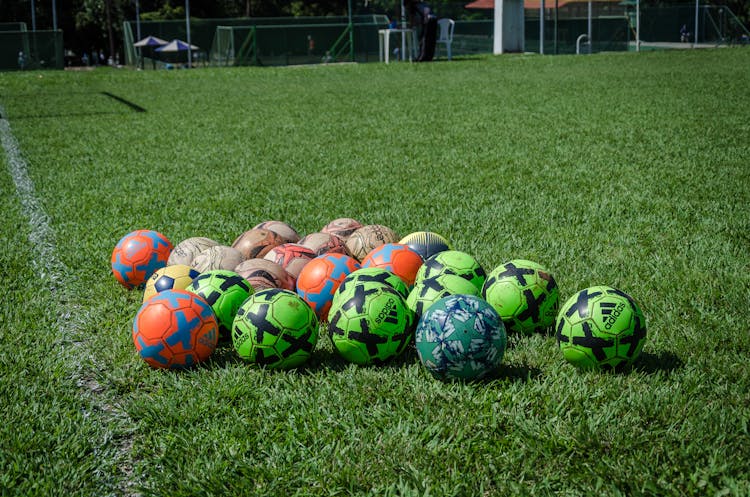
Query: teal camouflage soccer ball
{"points": [[370, 324], [601, 328], [524, 294], [275, 328], [453, 262], [224, 291], [430, 290], [460, 337]]}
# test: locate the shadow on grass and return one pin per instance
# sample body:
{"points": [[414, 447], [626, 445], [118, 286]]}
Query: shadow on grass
{"points": [[325, 359], [514, 372], [224, 355], [662, 362]]}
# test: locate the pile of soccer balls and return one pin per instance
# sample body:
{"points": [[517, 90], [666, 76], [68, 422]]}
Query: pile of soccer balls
{"points": [[271, 290]]}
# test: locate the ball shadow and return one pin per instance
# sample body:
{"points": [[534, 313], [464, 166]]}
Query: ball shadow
{"points": [[661, 362], [224, 355], [512, 372]]}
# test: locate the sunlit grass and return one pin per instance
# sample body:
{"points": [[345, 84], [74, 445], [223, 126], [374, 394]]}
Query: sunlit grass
{"points": [[621, 169]]}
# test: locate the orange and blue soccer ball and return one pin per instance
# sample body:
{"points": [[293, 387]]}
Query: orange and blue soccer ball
{"points": [[398, 258], [175, 329], [138, 255], [321, 277]]}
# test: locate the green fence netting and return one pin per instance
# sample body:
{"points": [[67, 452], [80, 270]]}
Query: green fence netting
{"points": [[279, 41], [310, 40], [39, 49]]}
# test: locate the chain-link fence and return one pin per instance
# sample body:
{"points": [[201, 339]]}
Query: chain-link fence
{"points": [[23, 50], [577, 25]]}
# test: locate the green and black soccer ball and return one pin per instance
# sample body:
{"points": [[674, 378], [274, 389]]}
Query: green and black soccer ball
{"points": [[430, 290], [601, 328], [370, 323], [224, 291], [460, 337], [275, 328], [453, 262], [371, 275], [525, 295]]}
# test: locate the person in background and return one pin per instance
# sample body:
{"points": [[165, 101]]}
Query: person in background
{"points": [[684, 34], [21, 60], [424, 20]]}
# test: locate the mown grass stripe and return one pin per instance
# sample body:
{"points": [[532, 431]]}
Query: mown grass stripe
{"points": [[71, 317]]}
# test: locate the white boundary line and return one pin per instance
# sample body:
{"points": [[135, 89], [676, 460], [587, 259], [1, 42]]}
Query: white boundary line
{"points": [[71, 318]]}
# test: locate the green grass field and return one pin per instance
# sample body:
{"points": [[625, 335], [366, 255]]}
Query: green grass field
{"points": [[629, 170]]}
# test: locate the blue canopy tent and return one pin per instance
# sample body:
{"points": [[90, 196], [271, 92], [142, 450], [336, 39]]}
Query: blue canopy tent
{"points": [[149, 42], [177, 46]]}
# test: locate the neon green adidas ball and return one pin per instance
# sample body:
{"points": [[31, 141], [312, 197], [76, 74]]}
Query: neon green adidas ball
{"points": [[275, 328], [430, 290], [370, 275], [224, 291], [601, 328], [525, 295], [453, 262], [370, 324]]}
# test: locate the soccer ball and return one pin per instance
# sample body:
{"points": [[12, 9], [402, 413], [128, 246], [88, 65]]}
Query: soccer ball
{"points": [[275, 328], [324, 243], [601, 328], [342, 227], [224, 291], [430, 290], [460, 337], [217, 257], [453, 262], [137, 255], [397, 258], [262, 274], [284, 230], [372, 275], [370, 324], [185, 251], [256, 242], [368, 237], [426, 243], [291, 256], [175, 329], [321, 277], [524, 294], [176, 277]]}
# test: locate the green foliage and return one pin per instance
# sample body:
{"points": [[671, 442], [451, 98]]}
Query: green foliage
{"points": [[628, 170], [166, 11]]}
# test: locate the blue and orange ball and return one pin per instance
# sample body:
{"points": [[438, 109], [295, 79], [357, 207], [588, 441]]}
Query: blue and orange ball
{"points": [[175, 329], [400, 259], [321, 277], [138, 255]]}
